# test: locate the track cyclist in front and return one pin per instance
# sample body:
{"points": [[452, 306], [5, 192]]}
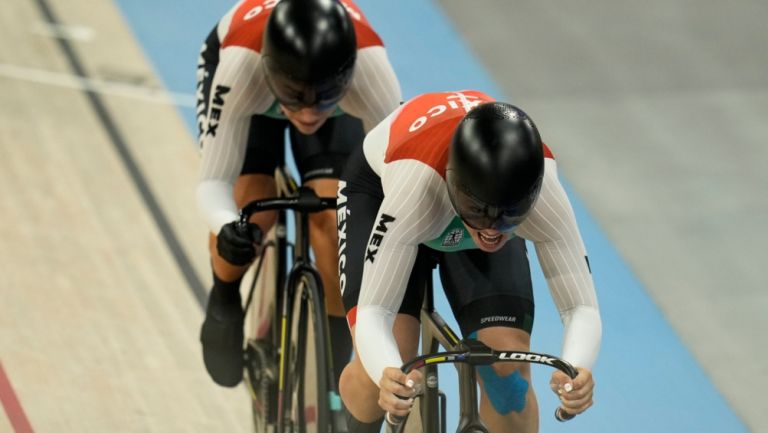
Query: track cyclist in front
{"points": [[460, 179], [316, 68]]}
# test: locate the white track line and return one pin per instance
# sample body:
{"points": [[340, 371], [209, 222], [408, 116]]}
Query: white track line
{"points": [[148, 94], [75, 33]]}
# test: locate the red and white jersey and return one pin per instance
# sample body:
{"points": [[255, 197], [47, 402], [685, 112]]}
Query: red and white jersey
{"points": [[373, 93], [244, 25], [409, 151]]}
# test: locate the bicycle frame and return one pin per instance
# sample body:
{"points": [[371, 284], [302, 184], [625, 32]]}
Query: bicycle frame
{"points": [[435, 332], [303, 202]]}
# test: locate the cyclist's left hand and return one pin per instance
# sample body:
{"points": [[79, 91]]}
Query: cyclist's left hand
{"points": [[397, 390], [575, 394]]}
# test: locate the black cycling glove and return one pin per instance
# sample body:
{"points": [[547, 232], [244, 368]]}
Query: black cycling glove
{"points": [[237, 245]]}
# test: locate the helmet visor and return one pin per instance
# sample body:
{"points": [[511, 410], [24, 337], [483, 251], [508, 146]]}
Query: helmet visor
{"points": [[481, 216], [295, 95]]}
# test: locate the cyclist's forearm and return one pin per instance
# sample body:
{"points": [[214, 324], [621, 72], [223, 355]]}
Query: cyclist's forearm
{"points": [[235, 97], [582, 336], [552, 228], [375, 342], [216, 204], [222, 161]]}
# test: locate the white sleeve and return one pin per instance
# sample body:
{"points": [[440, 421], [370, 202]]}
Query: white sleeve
{"points": [[552, 228], [415, 196], [374, 91], [239, 82]]}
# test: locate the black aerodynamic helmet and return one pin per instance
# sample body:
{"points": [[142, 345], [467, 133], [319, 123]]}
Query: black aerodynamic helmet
{"points": [[495, 166], [309, 52]]}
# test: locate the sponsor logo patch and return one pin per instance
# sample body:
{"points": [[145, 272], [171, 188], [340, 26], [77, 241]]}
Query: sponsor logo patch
{"points": [[453, 238]]}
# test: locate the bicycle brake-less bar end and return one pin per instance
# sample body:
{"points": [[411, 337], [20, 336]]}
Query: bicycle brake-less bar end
{"points": [[396, 423], [562, 415]]}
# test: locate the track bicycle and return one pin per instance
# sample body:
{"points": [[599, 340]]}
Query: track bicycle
{"points": [[288, 362], [466, 354]]}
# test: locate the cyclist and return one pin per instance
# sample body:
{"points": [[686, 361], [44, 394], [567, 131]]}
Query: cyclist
{"points": [[316, 68], [459, 178]]}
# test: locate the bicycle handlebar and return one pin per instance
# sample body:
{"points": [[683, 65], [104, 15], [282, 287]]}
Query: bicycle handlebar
{"points": [[306, 201], [477, 353]]}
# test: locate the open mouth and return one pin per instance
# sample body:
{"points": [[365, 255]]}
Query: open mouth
{"points": [[490, 240], [309, 124]]}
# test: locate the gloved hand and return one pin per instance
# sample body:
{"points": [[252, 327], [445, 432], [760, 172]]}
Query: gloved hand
{"points": [[238, 245]]}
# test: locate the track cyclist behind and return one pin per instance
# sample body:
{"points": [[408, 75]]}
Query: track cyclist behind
{"points": [[317, 68], [459, 178]]}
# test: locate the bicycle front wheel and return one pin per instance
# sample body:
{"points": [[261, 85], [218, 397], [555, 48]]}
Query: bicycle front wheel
{"points": [[308, 364]]}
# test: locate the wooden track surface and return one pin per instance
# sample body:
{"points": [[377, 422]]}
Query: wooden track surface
{"points": [[98, 323]]}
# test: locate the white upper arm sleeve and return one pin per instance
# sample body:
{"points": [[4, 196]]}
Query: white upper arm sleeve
{"points": [[552, 228]]}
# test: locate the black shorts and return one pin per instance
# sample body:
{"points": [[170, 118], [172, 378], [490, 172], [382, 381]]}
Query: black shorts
{"points": [[320, 155], [484, 289]]}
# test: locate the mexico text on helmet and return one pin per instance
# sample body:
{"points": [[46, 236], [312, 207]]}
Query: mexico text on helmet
{"points": [[495, 167], [309, 53]]}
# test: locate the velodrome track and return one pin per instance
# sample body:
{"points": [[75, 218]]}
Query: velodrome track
{"points": [[654, 111]]}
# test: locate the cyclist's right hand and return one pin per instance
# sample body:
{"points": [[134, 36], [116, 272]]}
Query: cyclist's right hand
{"points": [[397, 390], [238, 245]]}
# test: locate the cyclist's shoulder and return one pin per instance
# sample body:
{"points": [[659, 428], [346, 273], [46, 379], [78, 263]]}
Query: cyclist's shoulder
{"points": [[243, 26], [437, 110], [422, 128], [365, 33]]}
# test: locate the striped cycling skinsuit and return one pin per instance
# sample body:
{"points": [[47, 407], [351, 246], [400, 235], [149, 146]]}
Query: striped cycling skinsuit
{"points": [[236, 107], [394, 188]]}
